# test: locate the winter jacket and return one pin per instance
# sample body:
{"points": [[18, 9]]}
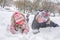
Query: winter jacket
{"points": [[41, 24]]}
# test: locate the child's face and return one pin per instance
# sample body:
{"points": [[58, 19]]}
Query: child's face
{"points": [[21, 26], [41, 19]]}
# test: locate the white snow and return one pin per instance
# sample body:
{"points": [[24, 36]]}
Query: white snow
{"points": [[45, 33]]}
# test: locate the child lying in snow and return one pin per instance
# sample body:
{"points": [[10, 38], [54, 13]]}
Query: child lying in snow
{"points": [[42, 20], [19, 23]]}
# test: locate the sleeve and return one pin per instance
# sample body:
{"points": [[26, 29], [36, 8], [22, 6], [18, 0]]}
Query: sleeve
{"points": [[48, 21], [12, 27]]}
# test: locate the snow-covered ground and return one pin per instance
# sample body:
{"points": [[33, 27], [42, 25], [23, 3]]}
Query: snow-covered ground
{"points": [[45, 33]]}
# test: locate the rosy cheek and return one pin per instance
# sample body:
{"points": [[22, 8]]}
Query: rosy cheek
{"points": [[40, 20]]}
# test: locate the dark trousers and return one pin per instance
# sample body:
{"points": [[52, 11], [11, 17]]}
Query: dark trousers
{"points": [[36, 25]]}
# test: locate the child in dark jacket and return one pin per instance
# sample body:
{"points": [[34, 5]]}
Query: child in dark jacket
{"points": [[42, 20]]}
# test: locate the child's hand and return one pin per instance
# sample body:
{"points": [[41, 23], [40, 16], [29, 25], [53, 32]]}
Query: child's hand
{"points": [[25, 31], [13, 31]]}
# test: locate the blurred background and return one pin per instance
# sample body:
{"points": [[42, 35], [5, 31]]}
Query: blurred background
{"points": [[32, 5]]}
